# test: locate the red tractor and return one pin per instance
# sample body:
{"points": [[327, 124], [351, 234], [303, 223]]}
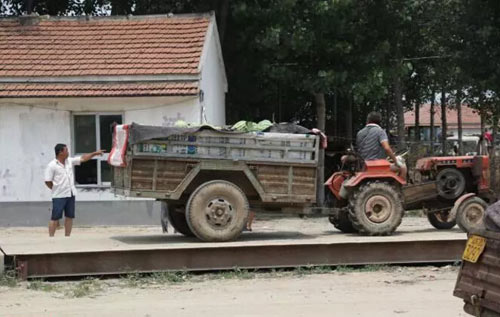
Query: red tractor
{"points": [[369, 198], [463, 187]]}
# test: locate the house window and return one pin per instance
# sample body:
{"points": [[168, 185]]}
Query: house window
{"points": [[93, 131]]}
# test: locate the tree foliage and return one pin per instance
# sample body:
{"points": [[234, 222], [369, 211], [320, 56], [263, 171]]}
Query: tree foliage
{"points": [[360, 54]]}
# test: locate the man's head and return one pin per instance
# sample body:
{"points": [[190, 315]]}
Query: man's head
{"points": [[61, 151], [374, 117]]}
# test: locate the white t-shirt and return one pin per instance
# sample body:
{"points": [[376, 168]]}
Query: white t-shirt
{"points": [[61, 176]]}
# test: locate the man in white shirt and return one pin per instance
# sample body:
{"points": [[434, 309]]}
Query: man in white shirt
{"points": [[59, 178]]}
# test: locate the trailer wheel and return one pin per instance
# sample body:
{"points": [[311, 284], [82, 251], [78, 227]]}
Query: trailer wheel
{"points": [[470, 214], [217, 211], [376, 209], [441, 220], [178, 220]]}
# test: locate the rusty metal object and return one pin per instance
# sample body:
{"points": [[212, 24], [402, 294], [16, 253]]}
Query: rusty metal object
{"points": [[478, 284], [241, 256]]}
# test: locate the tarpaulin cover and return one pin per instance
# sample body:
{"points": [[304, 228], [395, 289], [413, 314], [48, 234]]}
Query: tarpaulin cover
{"points": [[136, 133], [139, 133]]}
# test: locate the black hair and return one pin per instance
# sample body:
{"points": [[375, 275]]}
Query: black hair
{"points": [[374, 117], [59, 148]]}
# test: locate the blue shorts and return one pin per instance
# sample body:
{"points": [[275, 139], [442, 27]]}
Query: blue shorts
{"points": [[59, 205]]}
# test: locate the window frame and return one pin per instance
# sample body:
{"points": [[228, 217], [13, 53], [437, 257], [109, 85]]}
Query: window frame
{"points": [[99, 159]]}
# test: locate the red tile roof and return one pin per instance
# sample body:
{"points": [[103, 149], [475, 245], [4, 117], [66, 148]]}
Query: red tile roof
{"points": [[26, 90], [150, 45], [469, 116]]}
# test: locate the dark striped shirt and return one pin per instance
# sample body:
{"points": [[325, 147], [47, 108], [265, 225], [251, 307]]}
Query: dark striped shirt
{"points": [[369, 142]]}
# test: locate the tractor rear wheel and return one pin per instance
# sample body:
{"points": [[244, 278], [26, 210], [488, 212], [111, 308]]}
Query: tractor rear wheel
{"points": [[471, 213], [376, 209], [441, 220]]}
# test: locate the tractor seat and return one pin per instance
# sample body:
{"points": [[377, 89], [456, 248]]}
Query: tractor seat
{"points": [[377, 165]]}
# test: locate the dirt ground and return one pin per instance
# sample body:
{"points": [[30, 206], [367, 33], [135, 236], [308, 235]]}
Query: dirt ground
{"points": [[389, 291], [371, 291], [262, 223]]}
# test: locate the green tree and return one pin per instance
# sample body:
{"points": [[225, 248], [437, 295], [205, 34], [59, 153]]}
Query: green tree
{"points": [[478, 56]]}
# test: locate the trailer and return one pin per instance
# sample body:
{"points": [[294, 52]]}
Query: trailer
{"points": [[209, 179]]}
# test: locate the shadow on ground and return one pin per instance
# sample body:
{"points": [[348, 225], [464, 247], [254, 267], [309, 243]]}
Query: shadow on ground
{"points": [[429, 230], [245, 237]]}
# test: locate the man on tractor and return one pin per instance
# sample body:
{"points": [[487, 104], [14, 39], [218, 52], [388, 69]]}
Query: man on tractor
{"points": [[367, 192], [373, 144]]}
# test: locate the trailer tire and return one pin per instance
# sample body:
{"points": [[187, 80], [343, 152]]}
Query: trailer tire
{"points": [[217, 211], [178, 220], [439, 220], [376, 209], [471, 213]]}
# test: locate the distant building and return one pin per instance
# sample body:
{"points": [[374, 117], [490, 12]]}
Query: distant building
{"points": [[471, 122]]}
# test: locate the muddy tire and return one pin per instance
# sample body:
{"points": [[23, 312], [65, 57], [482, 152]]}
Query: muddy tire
{"points": [[342, 222], [471, 213], [217, 211], [441, 220], [376, 209], [451, 183], [178, 220]]}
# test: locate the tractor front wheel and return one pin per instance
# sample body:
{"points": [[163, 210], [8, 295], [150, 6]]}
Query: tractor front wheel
{"points": [[471, 213], [376, 209]]}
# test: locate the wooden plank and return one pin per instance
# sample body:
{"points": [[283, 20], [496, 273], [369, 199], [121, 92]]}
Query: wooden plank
{"points": [[311, 162], [155, 174]]}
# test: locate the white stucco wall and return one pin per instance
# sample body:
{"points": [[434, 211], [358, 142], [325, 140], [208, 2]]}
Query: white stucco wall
{"points": [[166, 115], [29, 129], [27, 139], [213, 80]]}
